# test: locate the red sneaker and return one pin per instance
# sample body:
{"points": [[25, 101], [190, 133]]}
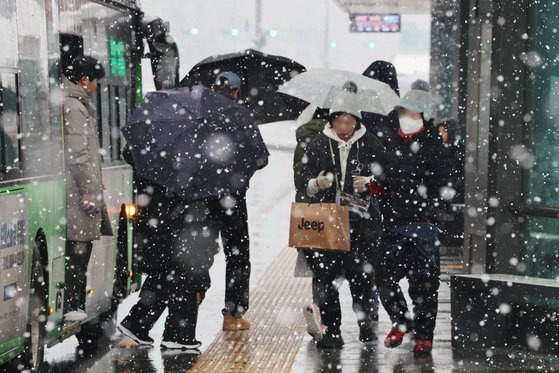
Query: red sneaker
{"points": [[394, 338], [423, 346]]}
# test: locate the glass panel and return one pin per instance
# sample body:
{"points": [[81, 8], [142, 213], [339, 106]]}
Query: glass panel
{"points": [[114, 123], [107, 36], [120, 47], [541, 161], [541, 250], [55, 91], [9, 143], [38, 154], [104, 115], [70, 16], [94, 29], [8, 30], [123, 105], [540, 158]]}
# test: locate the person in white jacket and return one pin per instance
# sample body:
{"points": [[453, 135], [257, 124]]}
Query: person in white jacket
{"points": [[344, 163]]}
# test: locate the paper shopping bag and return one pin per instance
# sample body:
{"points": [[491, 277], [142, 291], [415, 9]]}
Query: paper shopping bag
{"points": [[319, 226]]}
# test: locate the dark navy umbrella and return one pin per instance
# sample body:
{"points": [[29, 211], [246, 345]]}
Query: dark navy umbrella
{"points": [[195, 142]]}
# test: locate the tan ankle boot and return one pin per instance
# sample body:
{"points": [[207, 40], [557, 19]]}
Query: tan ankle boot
{"points": [[199, 298], [233, 324]]}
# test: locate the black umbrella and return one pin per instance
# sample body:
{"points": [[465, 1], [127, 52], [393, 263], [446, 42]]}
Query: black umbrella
{"points": [[261, 76], [195, 142]]}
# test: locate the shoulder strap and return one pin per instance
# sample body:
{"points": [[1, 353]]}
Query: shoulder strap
{"points": [[337, 177]]}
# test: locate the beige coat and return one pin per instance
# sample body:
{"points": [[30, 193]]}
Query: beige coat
{"points": [[83, 166]]}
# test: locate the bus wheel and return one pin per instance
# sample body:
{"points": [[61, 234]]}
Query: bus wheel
{"points": [[34, 350]]}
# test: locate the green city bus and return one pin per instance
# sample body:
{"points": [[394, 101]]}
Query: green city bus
{"points": [[36, 35]]}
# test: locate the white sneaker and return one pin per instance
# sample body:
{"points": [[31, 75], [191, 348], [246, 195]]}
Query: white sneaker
{"points": [[180, 345], [315, 328], [77, 315], [141, 340]]}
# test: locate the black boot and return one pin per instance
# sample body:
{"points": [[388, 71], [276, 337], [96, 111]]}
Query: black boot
{"points": [[331, 340], [366, 331]]}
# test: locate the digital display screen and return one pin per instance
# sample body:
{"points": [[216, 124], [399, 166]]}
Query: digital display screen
{"points": [[375, 23]]}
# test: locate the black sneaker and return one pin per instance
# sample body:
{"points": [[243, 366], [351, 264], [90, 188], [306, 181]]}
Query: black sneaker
{"points": [[366, 332], [140, 337], [330, 341], [185, 345]]}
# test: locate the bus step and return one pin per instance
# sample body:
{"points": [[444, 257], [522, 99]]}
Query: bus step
{"points": [[69, 329]]}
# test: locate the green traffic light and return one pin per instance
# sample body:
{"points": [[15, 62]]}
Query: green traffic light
{"points": [[273, 33], [194, 31]]}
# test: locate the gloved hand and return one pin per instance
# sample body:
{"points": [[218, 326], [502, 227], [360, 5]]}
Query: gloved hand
{"points": [[324, 180], [360, 183]]}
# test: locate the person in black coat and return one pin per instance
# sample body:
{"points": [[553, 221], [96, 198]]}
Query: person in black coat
{"points": [[345, 158], [418, 186], [177, 242], [230, 213], [383, 126]]}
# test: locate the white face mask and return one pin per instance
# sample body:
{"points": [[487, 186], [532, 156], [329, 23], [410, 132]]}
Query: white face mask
{"points": [[409, 125]]}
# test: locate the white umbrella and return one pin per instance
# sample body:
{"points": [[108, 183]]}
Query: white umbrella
{"points": [[320, 86]]}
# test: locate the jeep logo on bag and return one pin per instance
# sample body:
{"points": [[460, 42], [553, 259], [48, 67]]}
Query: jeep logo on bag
{"points": [[314, 225]]}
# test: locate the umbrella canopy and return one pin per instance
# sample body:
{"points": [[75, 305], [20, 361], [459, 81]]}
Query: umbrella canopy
{"points": [[261, 76], [320, 86], [195, 142]]}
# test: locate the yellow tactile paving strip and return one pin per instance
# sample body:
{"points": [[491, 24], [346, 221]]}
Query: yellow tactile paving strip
{"points": [[278, 325]]}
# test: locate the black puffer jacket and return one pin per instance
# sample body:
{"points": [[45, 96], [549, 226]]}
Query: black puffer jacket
{"points": [[371, 154], [421, 170]]}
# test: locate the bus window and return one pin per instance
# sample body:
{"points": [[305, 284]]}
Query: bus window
{"points": [[113, 96], [104, 115], [104, 33], [119, 111], [123, 109], [9, 128], [8, 30], [112, 105], [71, 46]]}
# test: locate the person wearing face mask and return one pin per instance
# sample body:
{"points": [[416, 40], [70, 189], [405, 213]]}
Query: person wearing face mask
{"points": [[344, 164], [419, 183]]}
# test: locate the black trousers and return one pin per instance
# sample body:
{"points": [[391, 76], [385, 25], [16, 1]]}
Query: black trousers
{"points": [[181, 259], [77, 259], [173, 291], [356, 266], [230, 214], [417, 260]]}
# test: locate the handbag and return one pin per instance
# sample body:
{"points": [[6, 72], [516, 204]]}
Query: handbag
{"points": [[319, 226]]}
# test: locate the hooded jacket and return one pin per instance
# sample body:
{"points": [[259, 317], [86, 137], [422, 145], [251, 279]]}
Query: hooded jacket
{"points": [[362, 149], [384, 127], [383, 72], [304, 134]]}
